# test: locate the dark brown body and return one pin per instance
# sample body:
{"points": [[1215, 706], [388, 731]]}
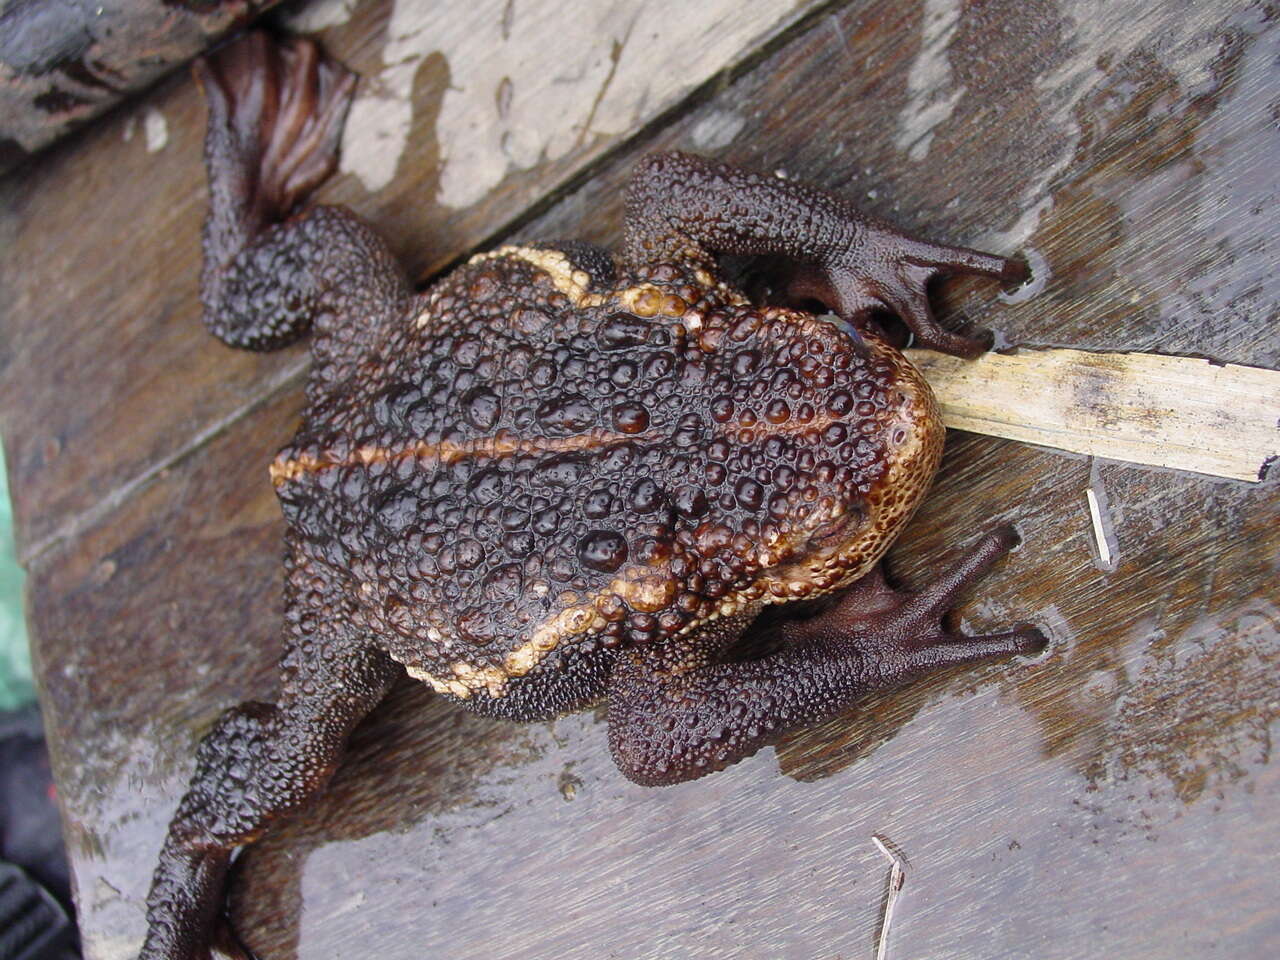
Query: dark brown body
{"points": [[558, 475], [548, 461]]}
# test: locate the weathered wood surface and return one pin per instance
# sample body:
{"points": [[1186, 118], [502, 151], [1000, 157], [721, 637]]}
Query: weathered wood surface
{"points": [[1114, 798], [64, 62]]}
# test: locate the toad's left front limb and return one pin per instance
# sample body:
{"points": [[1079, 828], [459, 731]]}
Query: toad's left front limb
{"points": [[681, 206], [677, 711]]}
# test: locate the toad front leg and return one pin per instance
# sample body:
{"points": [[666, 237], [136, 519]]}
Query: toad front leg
{"points": [[680, 205], [677, 711]]}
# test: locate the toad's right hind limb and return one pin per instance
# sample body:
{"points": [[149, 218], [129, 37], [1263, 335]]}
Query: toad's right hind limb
{"points": [[259, 763]]}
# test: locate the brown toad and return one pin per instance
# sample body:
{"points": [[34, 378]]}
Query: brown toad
{"points": [[557, 476]]}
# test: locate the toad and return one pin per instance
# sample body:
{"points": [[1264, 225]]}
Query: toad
{"points": [[560, 476]]}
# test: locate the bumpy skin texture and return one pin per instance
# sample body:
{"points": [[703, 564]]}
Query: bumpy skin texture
{"points": [[555, 476]]}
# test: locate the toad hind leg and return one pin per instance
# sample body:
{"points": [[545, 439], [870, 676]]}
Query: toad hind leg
{"points": [[856, 264], [259, 762], [276, 113], [677, 713]]}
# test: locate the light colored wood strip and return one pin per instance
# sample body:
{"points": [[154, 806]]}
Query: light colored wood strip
{"points": [[1099, 530], [531, 83], [1181, 412]]}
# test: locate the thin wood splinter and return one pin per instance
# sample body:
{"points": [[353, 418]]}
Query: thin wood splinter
{"points": [[897, 877], [1099, 532]]}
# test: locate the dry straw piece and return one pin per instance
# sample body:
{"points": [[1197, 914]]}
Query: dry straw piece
{"points": [[1185, 413]]}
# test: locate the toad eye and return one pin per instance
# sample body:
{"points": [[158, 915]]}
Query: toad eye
{"points": [[830, 533]]}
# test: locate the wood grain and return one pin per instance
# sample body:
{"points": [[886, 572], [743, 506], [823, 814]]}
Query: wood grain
{"points": [[62, 63], [1184, 413], [1115, 797]]}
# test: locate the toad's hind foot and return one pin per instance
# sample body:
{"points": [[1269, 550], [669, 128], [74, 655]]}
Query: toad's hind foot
{"points": [[271, 269], [276, 112], [258, 764]]}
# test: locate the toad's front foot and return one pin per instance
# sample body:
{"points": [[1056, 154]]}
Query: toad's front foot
{"points": [[681, 205], [679, 712], [896, 635], [888, 270], [276, 111]]}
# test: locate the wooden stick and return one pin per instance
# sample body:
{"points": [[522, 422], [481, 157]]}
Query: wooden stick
{"points": [[1180, 412], [897, 877]]}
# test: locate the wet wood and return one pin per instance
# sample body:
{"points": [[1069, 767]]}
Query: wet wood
{"points": [[1115, 797], [1184, 413], [62, 62]]}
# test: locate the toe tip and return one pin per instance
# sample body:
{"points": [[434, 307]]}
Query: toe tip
{"points": [[1007, 535], [1033, 641], [1016, 270]]}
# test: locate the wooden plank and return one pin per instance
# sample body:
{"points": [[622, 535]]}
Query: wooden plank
{"points": [[1128, 146], [113, 626], [532, 83], [125, 201], [1184, 413], [64, 63]]}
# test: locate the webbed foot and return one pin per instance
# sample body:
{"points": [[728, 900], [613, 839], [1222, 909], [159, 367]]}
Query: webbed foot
{"points": [[901, 633], [667, 725], [276, 112]]}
